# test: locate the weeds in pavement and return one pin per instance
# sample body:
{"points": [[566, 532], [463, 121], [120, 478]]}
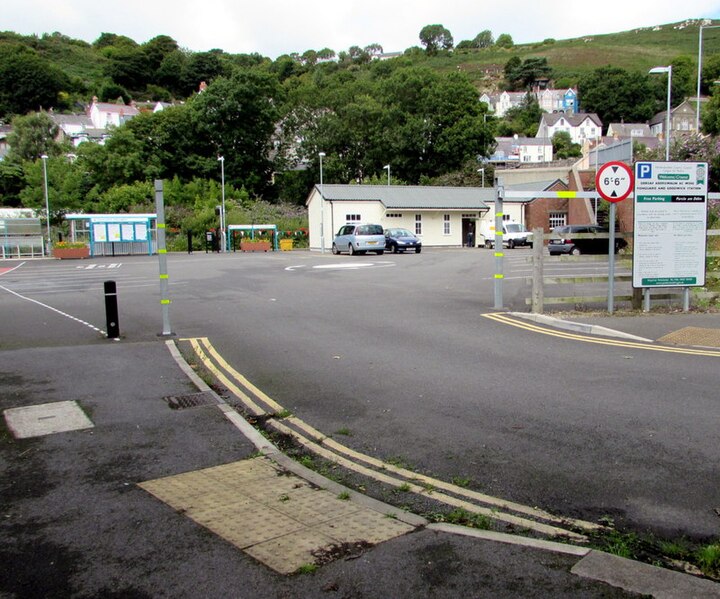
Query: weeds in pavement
{"points": [[344, 431], [462, 517], [708, 559], [307, 569], [344, 496], [461, 481]]}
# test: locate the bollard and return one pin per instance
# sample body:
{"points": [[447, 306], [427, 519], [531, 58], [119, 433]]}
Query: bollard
{"points": [[189, 238], [111, 310]]}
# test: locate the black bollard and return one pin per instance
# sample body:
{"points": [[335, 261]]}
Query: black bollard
{"points": [[189, 237], [111, 310]]}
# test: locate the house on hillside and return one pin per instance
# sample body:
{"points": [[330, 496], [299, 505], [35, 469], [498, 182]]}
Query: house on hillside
{"points": [[549, 100], [682, 118], [522, 150], [622, 130], [77, 128], [104, 114], [581, 127]]}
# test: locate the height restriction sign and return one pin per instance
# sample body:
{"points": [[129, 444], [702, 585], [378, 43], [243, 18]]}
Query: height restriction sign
{"points": [[614, 181]]}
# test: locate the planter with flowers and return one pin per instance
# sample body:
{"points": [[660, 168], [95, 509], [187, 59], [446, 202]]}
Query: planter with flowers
{"points": [[255, 245], [70, 250]]}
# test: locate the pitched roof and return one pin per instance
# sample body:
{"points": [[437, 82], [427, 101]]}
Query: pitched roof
{"points": [[574, 119], [403, 197]]}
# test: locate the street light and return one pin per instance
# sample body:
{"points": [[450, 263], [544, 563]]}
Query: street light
{"points": [[47, 201], [699, 74], [387, 167], [482, 171], [322, 207], [221, 159], [668, 70]]}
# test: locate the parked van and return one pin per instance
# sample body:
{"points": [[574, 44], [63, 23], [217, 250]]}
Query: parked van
{"points": [[514, 234]]}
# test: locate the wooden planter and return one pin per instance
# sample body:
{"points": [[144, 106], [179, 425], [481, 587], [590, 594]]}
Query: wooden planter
{"points": [[71, 253], [255, 246]]}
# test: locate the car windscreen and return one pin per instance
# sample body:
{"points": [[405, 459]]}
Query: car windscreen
{"points": [[515, 228], [401, 233]]}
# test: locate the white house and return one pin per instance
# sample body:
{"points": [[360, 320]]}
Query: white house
{"points": [[522, 150], [104, 114], [581, 127], [549, 100], [620, 130], [440, 216]]}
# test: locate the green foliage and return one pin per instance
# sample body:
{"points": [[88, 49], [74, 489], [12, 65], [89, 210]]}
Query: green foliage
{"points": [[435, 37], [563, 146], [521, 74], [27, 81], [32, 136], [709, 559], [504, 40], [711, 114], [617, 95], [521, 120]]}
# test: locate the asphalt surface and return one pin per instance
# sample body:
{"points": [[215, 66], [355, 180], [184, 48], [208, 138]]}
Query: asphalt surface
{"points": [[74, 522]]}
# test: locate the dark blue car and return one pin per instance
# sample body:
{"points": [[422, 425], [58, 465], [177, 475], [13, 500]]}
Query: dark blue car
{"points": [[399, 240]]}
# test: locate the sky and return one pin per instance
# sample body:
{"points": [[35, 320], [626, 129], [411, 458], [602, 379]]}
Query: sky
{"points": [[275, 27]]}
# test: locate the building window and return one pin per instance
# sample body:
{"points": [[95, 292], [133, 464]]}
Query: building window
{"points": [[393, 215], [446, 224], [557, 219], [418, 224], [352, 218]]}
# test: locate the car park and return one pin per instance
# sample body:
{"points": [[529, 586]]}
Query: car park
{"points": [[359, 239], [567, 241], [399, 240]]}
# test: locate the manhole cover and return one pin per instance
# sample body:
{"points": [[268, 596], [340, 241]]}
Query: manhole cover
{"points": [[193, 400]]}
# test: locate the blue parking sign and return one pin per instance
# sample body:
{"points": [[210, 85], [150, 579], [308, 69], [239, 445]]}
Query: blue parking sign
{"points": [[644, 170]]}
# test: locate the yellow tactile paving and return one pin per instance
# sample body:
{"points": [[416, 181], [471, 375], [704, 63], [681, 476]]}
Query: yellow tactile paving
{"points": [[693, 336], [272, 515]]}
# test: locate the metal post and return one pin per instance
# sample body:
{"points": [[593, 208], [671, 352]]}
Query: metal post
{"points": [[669, 108], [499, 276], [538, 292], [387, 166], [223, 240], [611, 260], [699, 76], [111, 310], [162, 257], [322, 207], [47, 202]]}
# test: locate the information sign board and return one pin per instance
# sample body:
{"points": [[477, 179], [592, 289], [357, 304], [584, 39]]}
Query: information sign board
{"points": [[670, 224]]}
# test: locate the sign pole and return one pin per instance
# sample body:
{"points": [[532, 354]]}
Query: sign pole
{"points": [[499, 276], [162, 257]]}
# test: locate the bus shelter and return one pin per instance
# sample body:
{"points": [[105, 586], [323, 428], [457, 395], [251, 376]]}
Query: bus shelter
{"points": [[21, 237], [248, 231], [115, 234]]}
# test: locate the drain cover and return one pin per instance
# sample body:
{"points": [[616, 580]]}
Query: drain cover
{"points": [[194, 400]]}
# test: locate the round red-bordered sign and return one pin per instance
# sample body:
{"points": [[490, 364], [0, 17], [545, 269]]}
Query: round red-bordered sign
{"points": [[614, 181]]}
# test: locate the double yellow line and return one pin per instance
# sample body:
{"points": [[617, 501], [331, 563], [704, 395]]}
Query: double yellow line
{"points": [[258, 403], [505, 319]]}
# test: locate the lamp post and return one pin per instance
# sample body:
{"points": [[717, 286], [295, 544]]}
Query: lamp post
{"points": [[699, 74], [322, 207], [221, 159], [47, 201], [387, 167], [482, 171], [668, 70]]}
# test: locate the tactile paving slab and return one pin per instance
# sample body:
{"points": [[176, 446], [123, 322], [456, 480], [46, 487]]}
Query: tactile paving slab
{"points": [[693, 336], [271, 514]]}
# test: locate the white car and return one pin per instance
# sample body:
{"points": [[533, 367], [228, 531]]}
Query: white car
{"points": [[359, 239]]}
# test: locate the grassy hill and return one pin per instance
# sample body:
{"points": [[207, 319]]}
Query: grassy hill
{"points": [[634, 50]]}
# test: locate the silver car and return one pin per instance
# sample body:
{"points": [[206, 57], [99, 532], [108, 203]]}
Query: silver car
{"points": [[358, 239]]}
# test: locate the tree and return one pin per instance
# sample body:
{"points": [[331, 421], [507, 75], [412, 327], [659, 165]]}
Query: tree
{"points": [[616, 95], [684, 78], [711, 114], [32, 136], [522, 74], [27, 81], [504, 40], [434, 37], [710, 74], [521, 120], [484, 39], [563, 146]]}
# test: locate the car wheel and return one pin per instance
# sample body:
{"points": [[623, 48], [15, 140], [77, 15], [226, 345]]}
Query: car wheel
{"points": [[380, 252], [335, 250], [511, 244], [417, 250], [575, 251], [351, 249], [488, 244], [394, 248]]}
